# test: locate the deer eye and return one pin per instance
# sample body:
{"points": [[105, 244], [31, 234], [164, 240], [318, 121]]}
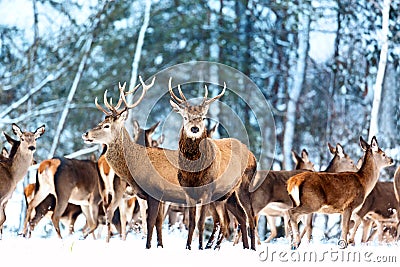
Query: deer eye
{"points": [[106, 126]]}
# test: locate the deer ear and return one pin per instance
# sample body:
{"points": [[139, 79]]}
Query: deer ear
{"points": [[364, 145], [161, 139], [332, 149], [153, 128], [339, 150], [304, 155], [16, 130], [374, 144], [4, 152], [295, 157], [123, 115], [9, 139], [39, 131]]}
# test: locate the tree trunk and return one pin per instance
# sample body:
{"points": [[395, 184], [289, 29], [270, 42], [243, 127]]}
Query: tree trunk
{"points": [[136, 61], [373, 126], [60, 127], [295, 90]]}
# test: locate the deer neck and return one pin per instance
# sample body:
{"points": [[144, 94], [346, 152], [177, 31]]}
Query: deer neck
{"points": [[190, 147], [369, 172], [20, 164], [115, 154], [333, 165], [196, 156]]}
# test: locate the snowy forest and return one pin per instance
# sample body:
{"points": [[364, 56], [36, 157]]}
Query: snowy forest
{"points": [[329, 69]]}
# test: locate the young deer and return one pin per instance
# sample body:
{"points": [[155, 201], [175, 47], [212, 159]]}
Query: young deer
{"points": [[342, 193], [204, 163], [14, 168], [70, 181], [45, 208], [271, 198], [379, 207]]}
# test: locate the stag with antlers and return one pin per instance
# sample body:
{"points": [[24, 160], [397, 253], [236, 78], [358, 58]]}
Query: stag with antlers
{"points": [[206, 165]]}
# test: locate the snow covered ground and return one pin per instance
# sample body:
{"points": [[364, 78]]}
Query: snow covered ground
{"points": [[51, 251]]}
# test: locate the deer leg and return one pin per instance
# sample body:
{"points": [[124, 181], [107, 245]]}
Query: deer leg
{"points": [[143, 214], [307, 221], [123, 211], [192, 224], [220, 220], [159, 222], [89, 221], [237, 210], [256, 218], [272, 226], [94, 215], [245, 200], [367, 224], [2, 219], [286, 223], [357, 221], [223, 218], [216, 223], [345, 225], [152, 213], [37, 199], [58, 211], [294, 214]]}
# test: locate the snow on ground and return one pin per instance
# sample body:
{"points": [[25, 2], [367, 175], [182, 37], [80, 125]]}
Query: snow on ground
{"points": [[51, 251]]}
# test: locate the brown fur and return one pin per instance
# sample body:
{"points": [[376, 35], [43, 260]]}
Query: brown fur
{"points": [[46, 207], [382, 202], [14, 168], [69, 180], [323, 192], [155, 168]]}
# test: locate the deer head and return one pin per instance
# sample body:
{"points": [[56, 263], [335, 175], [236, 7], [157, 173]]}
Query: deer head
{"points": [[380, 157], [303, 162], [193, 115], [144, 137], [105, 131], [27, 140], [341, 161]]}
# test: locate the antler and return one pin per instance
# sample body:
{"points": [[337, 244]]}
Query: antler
{"points": [[209, 101], [108, 113], [145, 88], [177, 99], [113, 110], [184, 100]]}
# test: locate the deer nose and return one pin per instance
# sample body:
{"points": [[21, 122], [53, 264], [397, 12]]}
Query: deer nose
{"points": [[194, 129], [31, 148]]}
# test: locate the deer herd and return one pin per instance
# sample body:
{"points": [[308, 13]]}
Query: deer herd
{"points": [[203, 177]]}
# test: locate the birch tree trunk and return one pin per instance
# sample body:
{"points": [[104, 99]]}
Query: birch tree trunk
{"points": [[373, 126], [136, 60], [60, 127], [295, 90]]}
